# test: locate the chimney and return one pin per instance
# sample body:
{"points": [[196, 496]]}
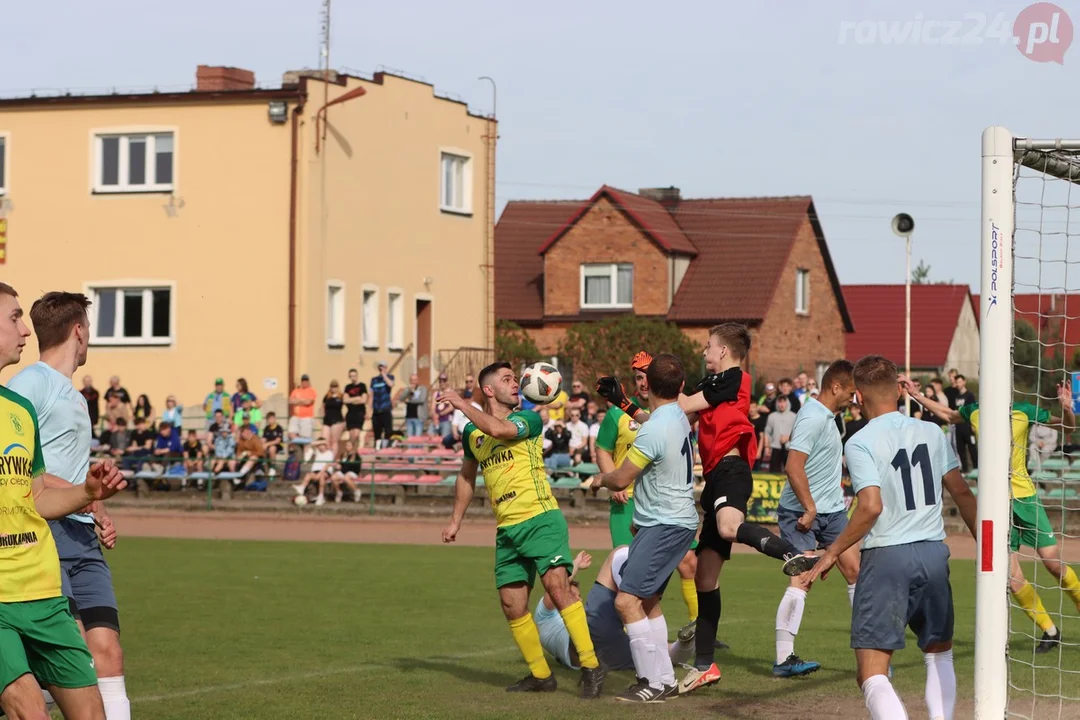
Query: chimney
{"points": [[211, 78], [669, 197]]}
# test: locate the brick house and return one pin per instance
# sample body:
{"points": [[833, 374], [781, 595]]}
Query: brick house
{"points": [[944, 326], [694, 262]]}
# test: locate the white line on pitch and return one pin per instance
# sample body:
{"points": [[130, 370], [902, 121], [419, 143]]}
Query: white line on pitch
{"points": [[209, 689]]}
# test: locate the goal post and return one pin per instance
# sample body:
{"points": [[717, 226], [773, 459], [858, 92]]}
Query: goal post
{"points": [[995, 436], [1030, 217]]}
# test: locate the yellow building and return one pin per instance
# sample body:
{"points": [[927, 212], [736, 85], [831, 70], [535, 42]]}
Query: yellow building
{"points": [[233, 231]]}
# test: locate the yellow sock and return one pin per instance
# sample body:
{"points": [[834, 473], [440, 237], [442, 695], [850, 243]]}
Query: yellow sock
{"points": [[578, 627], [527, 638], [1032, 606], [689, 595], [1071, 585]]}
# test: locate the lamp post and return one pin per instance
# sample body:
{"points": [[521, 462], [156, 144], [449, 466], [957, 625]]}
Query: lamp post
{"points": [[903, 225]]}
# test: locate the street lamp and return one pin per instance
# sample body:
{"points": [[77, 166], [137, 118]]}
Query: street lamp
{"points": [[903, 225]]}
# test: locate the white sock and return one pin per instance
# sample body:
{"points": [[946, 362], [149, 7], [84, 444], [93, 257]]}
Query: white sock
{"points": [[114, 696], [881, 700], [788, 619], [664, 670], [940, 685], [851, 594], [50, 702], [642, 649]]}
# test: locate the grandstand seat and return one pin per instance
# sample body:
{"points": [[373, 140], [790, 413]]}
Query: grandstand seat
{"points": [[973, 474], [448, 480], [1055, 464], [1062, 494], [380, 478], [390, 453], [428, 479], [414, 452], [586, 469], [442, 452], [570, 483], [366, 451], [199, 476], [402, 478]]}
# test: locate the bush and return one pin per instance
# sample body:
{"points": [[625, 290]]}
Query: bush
{"points": [[605, 347], [514, 345]]}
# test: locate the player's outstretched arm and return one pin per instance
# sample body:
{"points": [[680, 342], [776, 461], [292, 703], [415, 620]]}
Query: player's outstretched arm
{"points": [[618, 479], [954, 483], [56, 498], [463, 495], [953, 417], [866, 514], [485, 423]]}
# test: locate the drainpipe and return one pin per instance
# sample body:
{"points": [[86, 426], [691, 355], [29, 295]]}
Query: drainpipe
{"points": [[293, 165]]}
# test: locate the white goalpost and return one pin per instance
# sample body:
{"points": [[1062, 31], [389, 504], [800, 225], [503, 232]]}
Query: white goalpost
{"points": [[1030, 217]]}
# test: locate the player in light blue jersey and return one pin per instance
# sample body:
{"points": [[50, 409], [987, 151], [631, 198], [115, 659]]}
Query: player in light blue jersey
{"points": [[62, 326], [667, 521], [605, 627], [898, 466], [811, 512]]}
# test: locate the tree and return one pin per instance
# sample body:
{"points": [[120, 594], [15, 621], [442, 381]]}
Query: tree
{"points": [[514, 345], [921, 274], [606, 347], [1039, 362]]}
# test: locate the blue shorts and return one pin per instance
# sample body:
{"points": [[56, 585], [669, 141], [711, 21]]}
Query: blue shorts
{"points": [[823, 532], [84, 575], [609, 637], [654, 554], [902, 586]]}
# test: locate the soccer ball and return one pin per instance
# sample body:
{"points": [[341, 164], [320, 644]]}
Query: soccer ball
{"points": [[300, 500], [541, 383]]}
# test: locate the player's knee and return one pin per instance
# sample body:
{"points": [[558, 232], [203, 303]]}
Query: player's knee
{"points": [[688, 566], [625, 602], [22, 700], [938, 647]]}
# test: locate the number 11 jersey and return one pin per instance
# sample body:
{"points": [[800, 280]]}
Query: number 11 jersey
{"points": [[906, 458]]}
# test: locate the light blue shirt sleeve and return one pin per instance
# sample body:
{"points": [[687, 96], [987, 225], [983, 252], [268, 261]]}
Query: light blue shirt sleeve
{"points": [[805, 434], [31, 385], [650, 440], [946, 458], [861, 467]]}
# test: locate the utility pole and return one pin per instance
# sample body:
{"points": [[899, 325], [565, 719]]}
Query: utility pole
{"points": [[491, 138]]}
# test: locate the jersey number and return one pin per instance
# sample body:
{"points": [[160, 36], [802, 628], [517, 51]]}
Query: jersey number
{"points": [[689, 454], [920, 457]]}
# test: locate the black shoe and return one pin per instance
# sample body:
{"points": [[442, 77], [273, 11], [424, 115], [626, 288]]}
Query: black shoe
{"points": [[1049, 642], [670, 692], [531, 683], [592, 682], [642, 692], [721, 645], [798, 564]]}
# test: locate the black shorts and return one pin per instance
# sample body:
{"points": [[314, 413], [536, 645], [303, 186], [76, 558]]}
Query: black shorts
{"points": [[729, 484], [355, 420], [382, 424]]}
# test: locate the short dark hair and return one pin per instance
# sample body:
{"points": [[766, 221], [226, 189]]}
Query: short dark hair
{"points": [[961, 377], [781, 381], [6, 289], [271, 414], [164, 424], [666, 376], [193, 431], [839, 372], [735, 336], [937, 381], [875, 372], [489, 370], [54, 314], [121, 422], [219, 410]]}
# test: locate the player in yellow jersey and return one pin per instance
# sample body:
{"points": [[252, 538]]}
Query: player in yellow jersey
{"points": [[40, 643], [613, 441], [532, 536], [1030, 524]]}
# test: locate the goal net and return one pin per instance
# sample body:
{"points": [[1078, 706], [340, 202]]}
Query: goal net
{"points": [[1027, 632]]}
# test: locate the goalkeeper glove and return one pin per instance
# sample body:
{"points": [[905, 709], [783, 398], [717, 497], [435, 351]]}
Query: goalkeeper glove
{"points": [[608, 387]]}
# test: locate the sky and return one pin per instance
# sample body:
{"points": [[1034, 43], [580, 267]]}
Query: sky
{"points": [[716, 98]]}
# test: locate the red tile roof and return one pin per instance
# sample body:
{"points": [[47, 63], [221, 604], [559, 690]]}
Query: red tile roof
{"points": [[654, 220], [740, 247], [878, 313]]}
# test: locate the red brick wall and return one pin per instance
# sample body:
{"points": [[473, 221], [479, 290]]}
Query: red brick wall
{"points": [[788, 343], [604, 235]]}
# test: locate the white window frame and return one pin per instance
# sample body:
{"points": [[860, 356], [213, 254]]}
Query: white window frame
{"points": [[91, 290], [5, 177], [802, 291], [610, 270], [369, 331], [125, 135], [335, 314], [395, 321], [466, 182]]}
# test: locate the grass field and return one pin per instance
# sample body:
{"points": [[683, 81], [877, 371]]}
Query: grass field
{"points": [[230, 630]]}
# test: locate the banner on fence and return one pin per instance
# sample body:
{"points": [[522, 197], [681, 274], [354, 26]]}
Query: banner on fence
{"points": [[766, 497]]}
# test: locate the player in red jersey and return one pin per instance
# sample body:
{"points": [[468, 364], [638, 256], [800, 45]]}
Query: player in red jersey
{"points": [[727, 443]]}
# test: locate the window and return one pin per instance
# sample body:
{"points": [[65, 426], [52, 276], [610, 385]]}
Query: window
{"points": [[607, 286], [134, 163], [3, 165], [394, 320], [370, 329], [131, 315], [802, 291], [456, 195], [335, 314]]}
